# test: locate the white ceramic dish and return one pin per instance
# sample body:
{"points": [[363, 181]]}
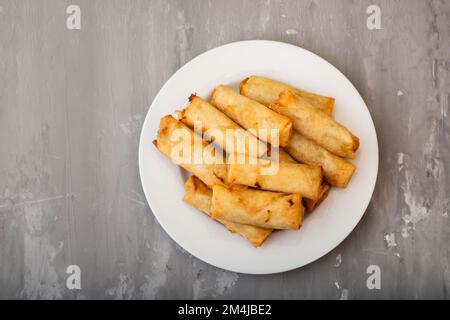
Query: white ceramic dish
{"points": [[209, 241]]}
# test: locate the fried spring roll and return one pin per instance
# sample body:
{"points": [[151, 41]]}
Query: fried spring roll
{"points": [[316, 125], [336, 170], [258, 208], [253, 115], [221, 126], [169, 130], [199, 196], [310, 205], [267, 91], [286, 177]]}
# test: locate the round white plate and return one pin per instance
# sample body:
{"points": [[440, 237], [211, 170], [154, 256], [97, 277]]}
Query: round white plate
{"points": [[206, 239]]}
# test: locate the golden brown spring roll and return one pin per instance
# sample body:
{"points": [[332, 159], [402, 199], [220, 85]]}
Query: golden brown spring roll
{"points": [[199, 196], [217, 123], [286, 177], [267, 91], [258, 208], [210, 173], [310, 205], [253, 115], [316, 125], [336, 170]]}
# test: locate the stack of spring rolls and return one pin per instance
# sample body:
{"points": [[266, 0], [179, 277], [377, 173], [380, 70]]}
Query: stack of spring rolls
{"points": [[309, 152]]}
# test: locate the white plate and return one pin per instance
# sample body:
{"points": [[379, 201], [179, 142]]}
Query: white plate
{"points": [[209, 241]]}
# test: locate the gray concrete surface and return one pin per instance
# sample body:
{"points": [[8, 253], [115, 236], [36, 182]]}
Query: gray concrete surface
{"points": [[72, 104]]}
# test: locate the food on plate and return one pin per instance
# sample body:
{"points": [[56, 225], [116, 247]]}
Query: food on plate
{"points": [[266, 91], [260, 159], [316, 125], [226, 133], [258, 208], [267, 125], [280, 177], [198, 195], [166, 142], [336, 170]]}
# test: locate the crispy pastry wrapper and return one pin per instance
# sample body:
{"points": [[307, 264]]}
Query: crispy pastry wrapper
{"points": [[266, 91], [279, 154], [258, 208], [284, 177], [311, 205], [337, 171], [199, 196], [316, 125], [209, 172], [252, 115], [218, 127]]}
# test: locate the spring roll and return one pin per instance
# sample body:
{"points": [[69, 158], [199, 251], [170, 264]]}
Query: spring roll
{"points": [[280, 177], [311, 205], [199, 196], [337, 171], [316, 125], [258, 208], [226, 133], [253, 115], [172, 138], [267, 91]]}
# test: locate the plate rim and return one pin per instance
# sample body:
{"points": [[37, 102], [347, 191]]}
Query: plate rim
{"points": [[211, 51]]}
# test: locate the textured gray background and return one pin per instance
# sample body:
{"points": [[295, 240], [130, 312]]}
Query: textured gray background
{"points": [[71, 109]]}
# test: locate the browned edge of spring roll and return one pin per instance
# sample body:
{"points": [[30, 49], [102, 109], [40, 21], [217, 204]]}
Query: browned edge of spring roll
{"points": [[311, 205]]}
